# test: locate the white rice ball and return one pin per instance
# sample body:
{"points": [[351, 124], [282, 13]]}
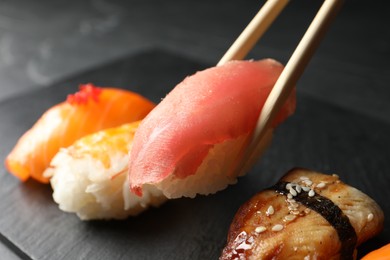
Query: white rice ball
{"points": [[89, 178], [217, 170]]}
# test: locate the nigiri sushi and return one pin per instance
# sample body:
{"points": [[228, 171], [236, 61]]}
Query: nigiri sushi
{"points": [[189, 143], [89, 177], [306, 215], [382, 253], [87, 111]]}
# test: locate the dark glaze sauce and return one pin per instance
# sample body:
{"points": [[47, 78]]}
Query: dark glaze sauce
{"points": [[332, 213]]}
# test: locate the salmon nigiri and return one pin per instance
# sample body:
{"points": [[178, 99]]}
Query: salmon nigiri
{"points": [[382, 253], [87, 111], [89, 177], [188, 144]]}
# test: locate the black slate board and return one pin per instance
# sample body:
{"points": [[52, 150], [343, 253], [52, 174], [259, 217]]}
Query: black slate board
{"points": [[319, 136]]}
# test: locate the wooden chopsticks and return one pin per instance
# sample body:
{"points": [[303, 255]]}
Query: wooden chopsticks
{"points": [[291, 73], [255, 29]]}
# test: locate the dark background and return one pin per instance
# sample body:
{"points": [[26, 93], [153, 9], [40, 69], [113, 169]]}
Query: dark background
{"points": [[42, 42], [48, 47]]}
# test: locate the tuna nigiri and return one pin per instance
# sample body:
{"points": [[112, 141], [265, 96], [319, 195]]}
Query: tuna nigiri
{"points": [[87, 111], [89, 177], [187, 145]]}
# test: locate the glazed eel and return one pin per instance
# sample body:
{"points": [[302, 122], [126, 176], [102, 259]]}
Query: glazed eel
{"points": [[306, 215]]}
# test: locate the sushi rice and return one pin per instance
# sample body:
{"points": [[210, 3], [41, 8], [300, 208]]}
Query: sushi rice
{"points": [[94, 185], [216, 172]]}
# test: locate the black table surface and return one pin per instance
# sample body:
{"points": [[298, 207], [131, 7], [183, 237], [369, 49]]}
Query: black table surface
{"points": [[48, 47]]}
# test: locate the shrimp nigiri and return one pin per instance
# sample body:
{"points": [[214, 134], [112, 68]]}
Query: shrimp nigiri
{"points": [[87, 111], [89, 177], [188, 144]]}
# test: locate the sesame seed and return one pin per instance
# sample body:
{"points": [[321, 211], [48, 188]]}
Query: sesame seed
{"points": [[293, 192], [251, 240], [305, 188], [295, 212], [307, 210], [370, 217], [289, 196], [294, 204], [298, 188], [288, 186], [311, 193], [270, 211], [291, 200], [291, 208], [289, 217], [308, 182], [321, 185], [335, 175], [277, 227], [303, 178], [244, 246], [260, 229]]}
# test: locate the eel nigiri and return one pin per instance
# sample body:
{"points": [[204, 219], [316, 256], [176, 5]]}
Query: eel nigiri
{"points": [[87, 111], [188, 144], [306, 215], [89, 177]]}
